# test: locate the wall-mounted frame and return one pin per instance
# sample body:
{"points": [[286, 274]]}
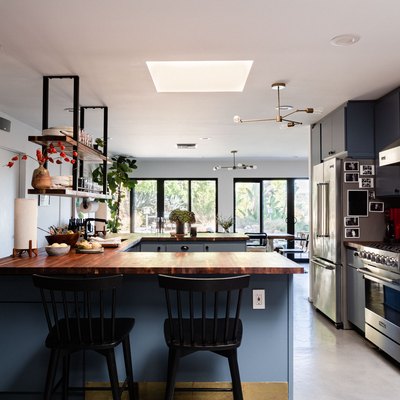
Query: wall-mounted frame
{"points": [[352, 233], [357, 203], [371, 195], [367, 169], [351, 177], [376, 206], [43, 200], [351, 165], [366, 183], [351, 221]]}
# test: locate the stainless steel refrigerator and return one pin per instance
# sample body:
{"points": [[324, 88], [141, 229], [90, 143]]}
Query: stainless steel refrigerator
{"points": [[330, 205]]}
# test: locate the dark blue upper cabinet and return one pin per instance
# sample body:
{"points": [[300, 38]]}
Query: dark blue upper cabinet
{"points": [[387, 130], [349, 128], [387, 120], [360, 129]]}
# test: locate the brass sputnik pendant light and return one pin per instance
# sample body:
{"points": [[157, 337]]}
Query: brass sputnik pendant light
{"points": [[278, 118]]}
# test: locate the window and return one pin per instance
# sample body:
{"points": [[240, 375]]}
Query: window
{"points": [[247, 210], [145, 206], [271, 205], [156, 198]]}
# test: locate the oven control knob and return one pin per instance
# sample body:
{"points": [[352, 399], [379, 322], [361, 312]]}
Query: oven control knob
{"points": [[391, 262], [361, 254], [372, 257], [395, 263], [380, 259]]}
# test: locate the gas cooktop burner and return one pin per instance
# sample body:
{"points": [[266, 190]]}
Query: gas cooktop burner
{"points": [[393, 247]]}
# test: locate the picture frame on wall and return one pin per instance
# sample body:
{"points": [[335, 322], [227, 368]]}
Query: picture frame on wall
{"points": [[367, 169], [44, 200], [352, 233], [376, 206], [366, 183], [371, 195], [351, 221], [351, 177], [351, 165], [357, 203]]}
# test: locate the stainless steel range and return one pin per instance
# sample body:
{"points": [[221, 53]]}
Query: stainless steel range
{"points": [[381, 271], [381, 255]]}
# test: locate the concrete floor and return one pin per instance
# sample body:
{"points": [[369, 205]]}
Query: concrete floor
{"points": [[331, 364]]}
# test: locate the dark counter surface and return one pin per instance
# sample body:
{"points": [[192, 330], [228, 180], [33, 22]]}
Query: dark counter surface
{"points": [[202, 237]]}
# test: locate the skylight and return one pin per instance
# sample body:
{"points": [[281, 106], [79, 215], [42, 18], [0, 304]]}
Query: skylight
{"points": [[199, 76]]}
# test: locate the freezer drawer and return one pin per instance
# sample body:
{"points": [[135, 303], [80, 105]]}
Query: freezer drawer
{"points": [[325, 290]]}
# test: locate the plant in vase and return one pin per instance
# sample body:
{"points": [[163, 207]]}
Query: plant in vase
{"points": [[180, 217], [99, 143], [225, 223], [41, 177], [117, 180]]}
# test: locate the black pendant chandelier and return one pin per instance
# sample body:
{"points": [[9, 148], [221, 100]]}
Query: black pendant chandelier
{"points": [[235, 166]]}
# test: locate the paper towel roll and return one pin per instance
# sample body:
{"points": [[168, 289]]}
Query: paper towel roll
{"points": [[25, 223], [101, 213]]}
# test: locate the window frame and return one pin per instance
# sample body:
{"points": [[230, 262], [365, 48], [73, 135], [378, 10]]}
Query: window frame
{"points": [[161, 195], [290, 199]]}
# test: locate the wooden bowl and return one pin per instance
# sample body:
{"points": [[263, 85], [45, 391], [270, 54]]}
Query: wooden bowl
{"points": [[70, 239]]}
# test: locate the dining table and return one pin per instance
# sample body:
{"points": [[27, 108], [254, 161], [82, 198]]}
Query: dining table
{"points": [[275, 236]]}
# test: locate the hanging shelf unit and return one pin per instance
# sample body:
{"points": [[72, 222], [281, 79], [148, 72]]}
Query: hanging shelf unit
{"points": [[85, 153]]}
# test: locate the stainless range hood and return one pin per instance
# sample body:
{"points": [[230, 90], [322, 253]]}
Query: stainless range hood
{"points": [[390, 155]]}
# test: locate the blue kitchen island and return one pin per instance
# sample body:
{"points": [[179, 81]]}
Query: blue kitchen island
{"points": [[265, 356]]}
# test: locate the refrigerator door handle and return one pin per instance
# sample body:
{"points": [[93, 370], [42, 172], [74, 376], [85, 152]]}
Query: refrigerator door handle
{"points": [[322, 210], [329, 267]]}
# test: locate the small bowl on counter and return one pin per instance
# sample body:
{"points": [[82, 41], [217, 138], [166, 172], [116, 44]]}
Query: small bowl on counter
{"points": [[57, 250]]}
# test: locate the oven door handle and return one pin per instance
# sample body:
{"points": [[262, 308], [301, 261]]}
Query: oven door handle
{"points": [[368, 273]]}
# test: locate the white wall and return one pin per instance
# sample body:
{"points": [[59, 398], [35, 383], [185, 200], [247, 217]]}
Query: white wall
{"points": [[16, 141], [204, 169]]}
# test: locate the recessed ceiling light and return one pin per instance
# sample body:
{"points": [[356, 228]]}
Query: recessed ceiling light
{"points": [[205, 138], [347, 39], [199, 76]]}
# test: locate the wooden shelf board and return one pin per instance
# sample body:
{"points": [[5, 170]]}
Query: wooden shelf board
{"points": [[68, 193], [86, 153]]}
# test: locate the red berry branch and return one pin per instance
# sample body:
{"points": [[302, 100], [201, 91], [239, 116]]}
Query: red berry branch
{"points": [[47, 155]]}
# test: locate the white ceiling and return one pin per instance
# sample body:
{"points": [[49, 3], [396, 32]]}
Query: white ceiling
{"points": [[107, 42]]}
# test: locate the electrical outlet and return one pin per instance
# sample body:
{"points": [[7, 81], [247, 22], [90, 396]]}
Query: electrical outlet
{"points": [[258, 299]]}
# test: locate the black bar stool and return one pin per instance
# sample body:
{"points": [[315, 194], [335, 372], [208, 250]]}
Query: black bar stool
{"points": [[203, 315], [81, 315]]}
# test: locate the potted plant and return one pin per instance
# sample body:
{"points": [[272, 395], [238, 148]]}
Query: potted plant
{"points": [[226, 223], [98, 143], [180, 217], [117, 180]]}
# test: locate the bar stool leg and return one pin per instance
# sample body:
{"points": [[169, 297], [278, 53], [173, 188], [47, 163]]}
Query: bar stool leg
{"points": [[66, 363], [173, 363], [234, 368], [126, 345], [112, 372], [51, 373]]}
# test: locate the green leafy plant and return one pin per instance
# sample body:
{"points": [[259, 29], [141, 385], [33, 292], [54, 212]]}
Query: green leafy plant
{"points": [[182, 216], [117, 180], [226, 223], [99, 142]]}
